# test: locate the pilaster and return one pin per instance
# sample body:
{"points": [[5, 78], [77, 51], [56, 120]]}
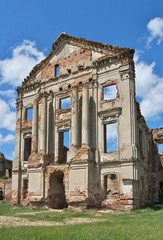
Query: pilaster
{"points": [[43, 124], [85, 116], [35, 127], [74, 119]]}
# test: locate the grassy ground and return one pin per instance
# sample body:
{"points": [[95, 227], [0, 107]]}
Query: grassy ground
{"points": [[144, 224]]}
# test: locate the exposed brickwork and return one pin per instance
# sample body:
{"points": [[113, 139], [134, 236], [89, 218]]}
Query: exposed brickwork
{"points": [[5, 190], [84, 175], [5, 166]]}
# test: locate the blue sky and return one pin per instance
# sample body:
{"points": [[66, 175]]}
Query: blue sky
{"points": [[28, 29]]}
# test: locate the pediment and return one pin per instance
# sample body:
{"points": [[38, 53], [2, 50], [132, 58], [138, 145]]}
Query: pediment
{"points": [[71, 53]]}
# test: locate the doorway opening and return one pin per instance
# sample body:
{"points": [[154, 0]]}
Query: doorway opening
{"points": [[57, 198]]}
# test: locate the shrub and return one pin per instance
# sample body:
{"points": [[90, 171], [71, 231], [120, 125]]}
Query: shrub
{"points": [[5, 177]]}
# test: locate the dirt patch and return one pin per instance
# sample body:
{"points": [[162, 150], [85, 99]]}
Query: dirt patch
{"points": [[6, 221]]}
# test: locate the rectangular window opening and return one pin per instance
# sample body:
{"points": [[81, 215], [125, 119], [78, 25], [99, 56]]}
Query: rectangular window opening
{"points": [[66, 139], [65, 103], [56, 70], [160, 148], [63, 146], [109, 92], [27, 148], [111, 185], [110, 137], [29, 112]]}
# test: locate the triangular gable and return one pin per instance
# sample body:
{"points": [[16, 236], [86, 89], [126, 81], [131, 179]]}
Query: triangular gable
{"points": [[65, 45]]}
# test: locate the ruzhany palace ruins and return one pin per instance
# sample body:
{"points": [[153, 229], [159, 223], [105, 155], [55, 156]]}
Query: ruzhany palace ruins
{"points": [[81, 140]]}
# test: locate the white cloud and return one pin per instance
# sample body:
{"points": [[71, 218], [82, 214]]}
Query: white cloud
{"points": [[149, 87], [111, 131], [10, 95], [152, 105], [110, 92], [7, 117], [10, 138], [155, 27], [24, 57], [65, 103]]}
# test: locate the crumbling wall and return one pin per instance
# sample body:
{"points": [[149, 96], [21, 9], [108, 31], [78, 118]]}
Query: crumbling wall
{"points": [[85, 175], [5, 166], [56, 180], [5, 190], [158, 139]]}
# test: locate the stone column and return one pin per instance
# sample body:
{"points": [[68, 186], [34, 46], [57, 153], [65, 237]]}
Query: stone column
{"points": [[50, 127], [55, 148], [74, 123], [43, 124], [94, 128], [35, 127], [85, 116]]}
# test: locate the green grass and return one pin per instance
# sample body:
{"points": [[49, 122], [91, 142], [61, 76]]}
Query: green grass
{"points": [[7, 210], [143, 224]]}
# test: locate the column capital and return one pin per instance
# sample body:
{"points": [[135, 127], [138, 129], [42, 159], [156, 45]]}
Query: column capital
{"points": [[86, 85], [35, 102], [74, 87]]}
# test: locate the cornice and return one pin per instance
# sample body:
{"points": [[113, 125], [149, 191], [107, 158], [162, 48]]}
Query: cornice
{"points": [[119, 56]]}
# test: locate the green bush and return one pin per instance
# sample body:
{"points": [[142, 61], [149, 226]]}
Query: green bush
{"points": [[5, 177]]}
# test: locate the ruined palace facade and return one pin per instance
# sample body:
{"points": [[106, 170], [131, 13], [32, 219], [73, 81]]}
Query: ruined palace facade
{"points": [[81, 140]]}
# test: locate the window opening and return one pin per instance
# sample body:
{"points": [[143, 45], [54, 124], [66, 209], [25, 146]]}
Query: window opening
{"points": [[80, 67], [110, 137], [1, 193], [29, 112], [69, 71], [63, 146], [56, 70], [111, 185], [160, 148], [27, 148], [65, 103], [66, 139], [109, 92]]}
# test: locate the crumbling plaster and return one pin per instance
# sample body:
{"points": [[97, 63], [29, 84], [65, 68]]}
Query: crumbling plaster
{"points": [[85, 68]]}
